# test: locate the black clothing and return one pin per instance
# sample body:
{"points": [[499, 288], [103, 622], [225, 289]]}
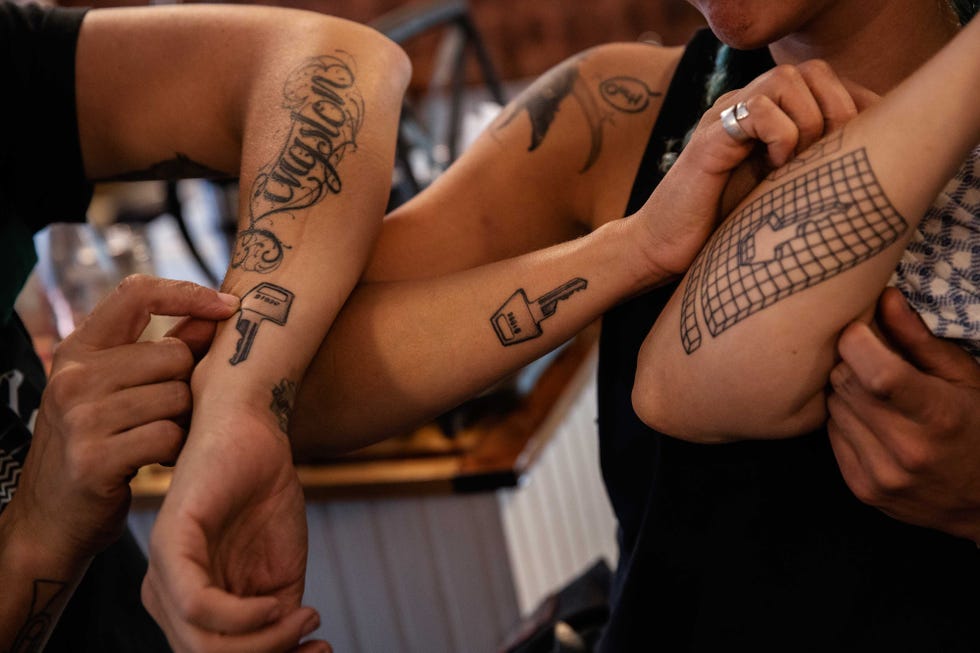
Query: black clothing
{"points": [[755, 546], [42, 181]]}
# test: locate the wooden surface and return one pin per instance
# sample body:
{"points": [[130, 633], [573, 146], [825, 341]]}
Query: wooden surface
{"points": [[492, 453]]}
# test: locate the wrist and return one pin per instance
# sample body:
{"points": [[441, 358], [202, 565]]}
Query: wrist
{"points": [[34, 552]]}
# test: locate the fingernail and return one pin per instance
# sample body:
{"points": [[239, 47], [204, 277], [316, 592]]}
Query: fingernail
{"points": [[311, 624], [230, 300]]}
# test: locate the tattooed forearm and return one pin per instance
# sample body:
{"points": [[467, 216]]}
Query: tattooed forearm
{"points": [[179, 167], [40, 620], [326, 111], [283, 400], [264, 302], [520, 319], [624, 94], [793, 237]]}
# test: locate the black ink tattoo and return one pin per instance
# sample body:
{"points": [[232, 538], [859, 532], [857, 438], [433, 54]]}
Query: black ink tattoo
{"points": [[264, 302], [31, 637], [179, 167], [627, 94], [519, 319], [624, 94], [283, 400], [816, 152], [327, 111], [799, 234]]}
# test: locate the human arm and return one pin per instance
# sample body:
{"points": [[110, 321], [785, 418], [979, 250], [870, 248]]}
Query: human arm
{"points": [[905, 420], [763, 304], [303, 109], [112, 405], [425, 340]]}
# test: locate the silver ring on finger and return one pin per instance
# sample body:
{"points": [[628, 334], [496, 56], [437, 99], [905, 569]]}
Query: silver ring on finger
{"points": [[729, 122]]}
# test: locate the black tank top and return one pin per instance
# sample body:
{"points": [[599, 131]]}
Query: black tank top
{"points": [[755, 546]]}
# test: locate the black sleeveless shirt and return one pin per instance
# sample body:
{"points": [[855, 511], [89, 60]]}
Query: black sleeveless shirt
{"points": [[755, 546]]}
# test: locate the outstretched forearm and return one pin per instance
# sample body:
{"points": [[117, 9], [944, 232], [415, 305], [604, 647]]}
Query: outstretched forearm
{"points": [[745, 346], [417, 348]]}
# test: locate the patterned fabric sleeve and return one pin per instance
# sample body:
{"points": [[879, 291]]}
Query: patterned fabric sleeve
{"points": [[939, 271]]}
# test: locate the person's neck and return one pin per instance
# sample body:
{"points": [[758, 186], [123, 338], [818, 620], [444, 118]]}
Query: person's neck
{"points": [[893, 39]]}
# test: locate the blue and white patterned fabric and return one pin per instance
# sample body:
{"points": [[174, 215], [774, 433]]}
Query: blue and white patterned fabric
{"points": [[939, 271]]}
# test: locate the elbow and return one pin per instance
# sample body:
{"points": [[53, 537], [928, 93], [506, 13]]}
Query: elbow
{"points": [[655, 407]]}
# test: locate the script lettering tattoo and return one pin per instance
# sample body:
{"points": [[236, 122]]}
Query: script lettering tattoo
{"points": [[520, 319], [264, 302], [327, 110], [179, 167], [544, 100], [31, 637], [799, 234], [283, 400]]}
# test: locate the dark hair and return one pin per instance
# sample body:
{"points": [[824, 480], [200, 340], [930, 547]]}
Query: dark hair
{"points": [[965, 9]]}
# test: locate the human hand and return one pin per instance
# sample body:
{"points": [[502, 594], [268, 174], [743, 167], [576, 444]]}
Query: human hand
{"points": [[228, 549], [789, 109], [112, 405], [905, 423]]}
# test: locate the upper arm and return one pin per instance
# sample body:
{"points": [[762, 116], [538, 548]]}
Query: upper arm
{"points": [[557, 162], [165, 91]]}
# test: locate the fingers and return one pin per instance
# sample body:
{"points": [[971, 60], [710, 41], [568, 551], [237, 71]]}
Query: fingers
{"points": [[769, 123], [121, 317], [878, 371], [230, 624], [792, 107], [867, 465], [835, 102], [195, 333], [908, 332]]}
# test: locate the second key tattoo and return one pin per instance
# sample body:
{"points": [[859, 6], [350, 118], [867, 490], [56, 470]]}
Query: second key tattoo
{"points": [[265, 302], [520, 319]]}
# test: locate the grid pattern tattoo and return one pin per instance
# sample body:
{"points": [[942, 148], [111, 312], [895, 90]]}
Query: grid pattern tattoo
{"points": [[803, 232]]}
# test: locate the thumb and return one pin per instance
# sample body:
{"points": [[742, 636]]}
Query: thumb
{"points": [[909, 333]]}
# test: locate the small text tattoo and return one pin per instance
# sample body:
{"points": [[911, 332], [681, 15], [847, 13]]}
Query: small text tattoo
{"points": [[283, 400], [795, 236], [40, 620], [520, 319], [544, 100], [326, 111], [626, 94], [264, 302]]}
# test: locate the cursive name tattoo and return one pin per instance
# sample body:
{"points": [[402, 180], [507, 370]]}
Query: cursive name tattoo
{"points": [[283, 400], [326, 112], [519, 319], [797, 235]]}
